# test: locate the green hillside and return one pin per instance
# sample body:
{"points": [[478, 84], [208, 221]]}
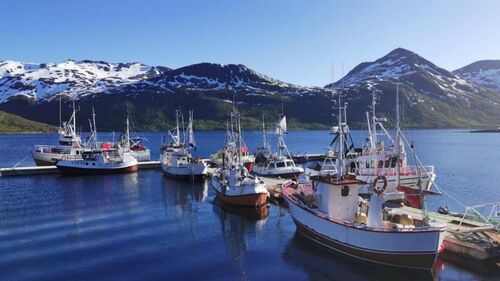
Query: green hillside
{"points": [[10, 123]]}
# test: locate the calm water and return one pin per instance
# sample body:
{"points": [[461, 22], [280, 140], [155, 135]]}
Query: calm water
{"points": [[147, 227]]}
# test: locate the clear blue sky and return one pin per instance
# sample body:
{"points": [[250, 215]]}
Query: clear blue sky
{"points": [[294, 41]]}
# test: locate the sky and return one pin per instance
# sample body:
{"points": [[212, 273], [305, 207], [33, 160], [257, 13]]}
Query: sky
{"points": [[295, 41]]}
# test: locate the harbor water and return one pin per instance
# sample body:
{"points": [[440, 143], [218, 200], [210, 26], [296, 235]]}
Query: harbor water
{"points": [[145, 226]]}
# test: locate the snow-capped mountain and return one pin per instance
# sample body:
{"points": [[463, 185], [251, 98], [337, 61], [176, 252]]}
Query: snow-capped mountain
{"points": [[74, 78], [485, 73], [42, 82], [434, 96], [210, 76], [407, 67]]}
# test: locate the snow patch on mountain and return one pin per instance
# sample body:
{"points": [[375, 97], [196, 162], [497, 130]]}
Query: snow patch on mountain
{"points": [[77, 79], [485, 73]]}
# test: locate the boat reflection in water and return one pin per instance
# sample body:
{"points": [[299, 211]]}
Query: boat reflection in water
{"points": [[319, 264], [180, 196], [237, 223]]}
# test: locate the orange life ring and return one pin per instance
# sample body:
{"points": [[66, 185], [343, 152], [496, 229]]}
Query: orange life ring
{"points": [[379, 190]]}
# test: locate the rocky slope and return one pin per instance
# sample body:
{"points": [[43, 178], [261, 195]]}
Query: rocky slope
{"points": [[485, 73]]}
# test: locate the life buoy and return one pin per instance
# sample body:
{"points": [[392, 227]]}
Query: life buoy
{"points": [[378, 190]]}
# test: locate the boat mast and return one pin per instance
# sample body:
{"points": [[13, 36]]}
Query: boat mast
{"points": [[374, 120], [398, 139], [238, 127], [177, 133], [264, 137], [95, 128], [191, 141], [340, 155], [127, 136]]}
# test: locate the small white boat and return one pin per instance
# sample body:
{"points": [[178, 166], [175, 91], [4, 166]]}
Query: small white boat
{"points": [[280, 164], [232, 182], [331, 213], [176, 159], [134, 145]]}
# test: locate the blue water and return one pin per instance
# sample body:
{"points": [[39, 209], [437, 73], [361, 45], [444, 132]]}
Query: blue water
{"points": [[147, 227]]}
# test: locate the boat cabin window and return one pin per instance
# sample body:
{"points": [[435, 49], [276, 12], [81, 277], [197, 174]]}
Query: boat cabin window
{"points": [[387, 163], [393, 162], [289, 163], [380, 164], [367, 165], [344, 191], [65, 143], [280, 164]]}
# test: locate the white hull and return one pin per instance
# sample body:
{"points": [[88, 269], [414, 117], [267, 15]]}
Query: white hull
{"points": [[365, 244], [186, 170], [277, 172], [141, 155], [47, 158], [239, 190]]}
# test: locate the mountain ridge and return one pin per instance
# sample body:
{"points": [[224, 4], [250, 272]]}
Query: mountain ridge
{"points": [[433, 96]]}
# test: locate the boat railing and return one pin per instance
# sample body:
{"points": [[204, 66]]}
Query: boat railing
{"points": [[50, 149], [488, 214], [407, 170]]}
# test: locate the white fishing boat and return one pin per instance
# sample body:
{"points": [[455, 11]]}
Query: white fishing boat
{"points": [[135, 145], [232, 182], [280, 164], [230, 148], [70, 144], [377, 161], [98, 160], [331, 213], [176, 159]]}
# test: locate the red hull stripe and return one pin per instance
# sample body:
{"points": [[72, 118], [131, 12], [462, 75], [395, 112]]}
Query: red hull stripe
{"points": [[250, 200]]}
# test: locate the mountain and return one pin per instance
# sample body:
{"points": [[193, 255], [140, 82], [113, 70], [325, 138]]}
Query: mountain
{"points": [[432, 96], [485, 73], [10, 123], [152, 93], [41, 82]]}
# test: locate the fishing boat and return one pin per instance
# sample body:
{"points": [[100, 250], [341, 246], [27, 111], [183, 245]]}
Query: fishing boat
{"points": [[230, 147], [176, 159], [377, 162], [232, 182], [331, 213], [280, 164], [135, 145], [70, 143], [98, 159]]}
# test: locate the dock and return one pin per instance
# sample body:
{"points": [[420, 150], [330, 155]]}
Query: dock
{"points": [[466, 240]]}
